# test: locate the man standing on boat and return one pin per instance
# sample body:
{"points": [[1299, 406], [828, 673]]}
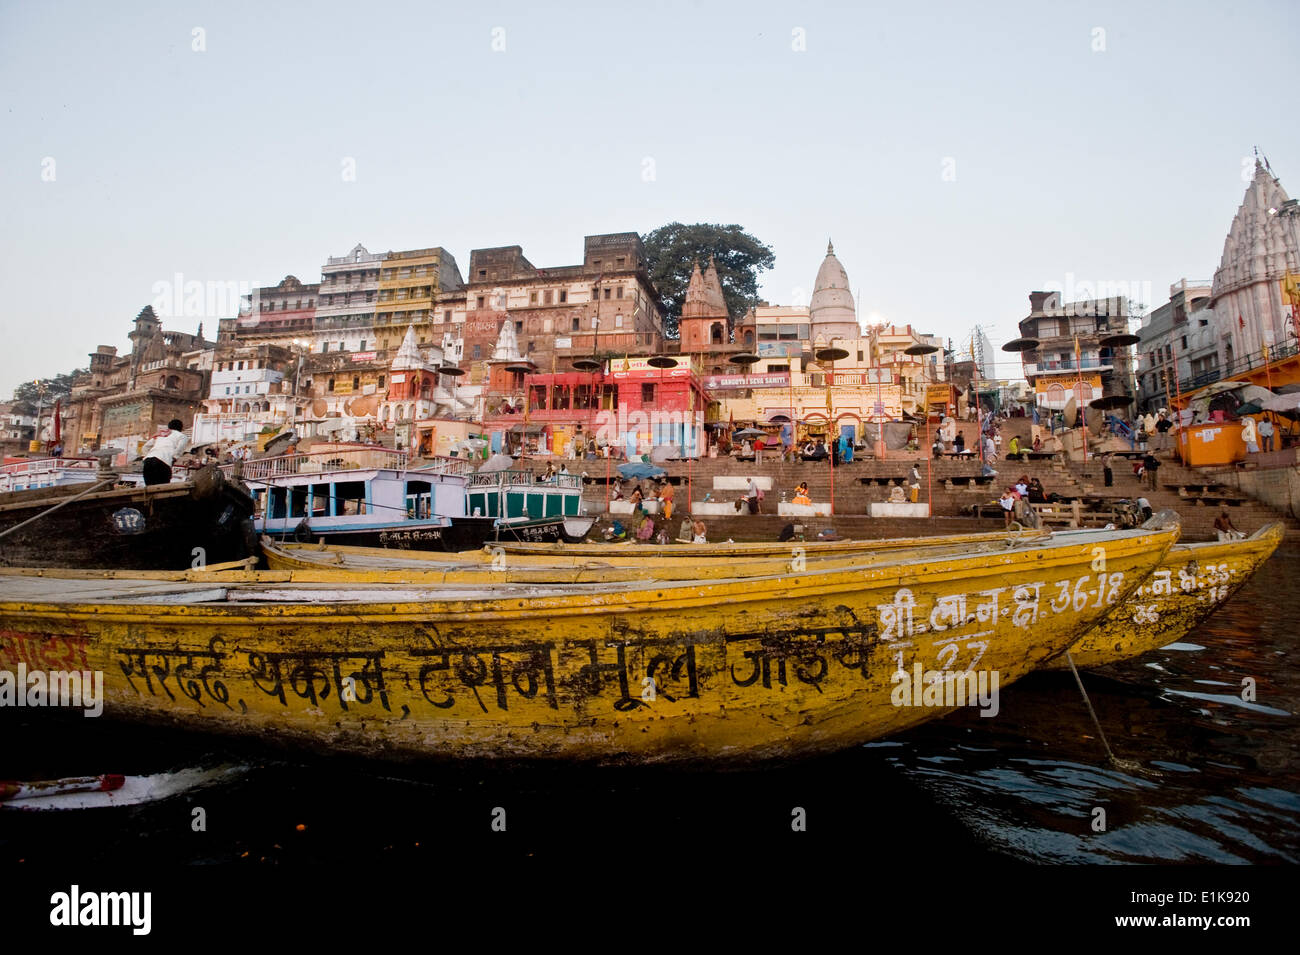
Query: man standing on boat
{"points": [[161, 451]]}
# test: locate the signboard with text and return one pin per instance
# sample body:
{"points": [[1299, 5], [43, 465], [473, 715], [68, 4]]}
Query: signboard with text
{"points": [[724, 382]]}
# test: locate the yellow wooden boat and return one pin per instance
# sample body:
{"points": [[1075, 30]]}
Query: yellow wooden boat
{"points": [[1134, 629], [728, 670], [1191, 583], [641, 556], [325, 563]]}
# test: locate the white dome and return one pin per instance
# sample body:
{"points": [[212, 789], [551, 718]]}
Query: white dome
{"points": [[831, 311]]}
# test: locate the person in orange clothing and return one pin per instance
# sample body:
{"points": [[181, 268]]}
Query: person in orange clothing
{"points": [[801, 494], [666, 500]]}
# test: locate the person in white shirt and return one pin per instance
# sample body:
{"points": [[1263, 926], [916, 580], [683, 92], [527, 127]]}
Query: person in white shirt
{"points": [[162, 450], [1265, 430]]}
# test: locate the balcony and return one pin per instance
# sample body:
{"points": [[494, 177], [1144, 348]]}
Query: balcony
{"points": [[1056, 367]]}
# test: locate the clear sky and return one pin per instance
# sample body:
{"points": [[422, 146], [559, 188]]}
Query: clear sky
{"points": [[960, 155]]}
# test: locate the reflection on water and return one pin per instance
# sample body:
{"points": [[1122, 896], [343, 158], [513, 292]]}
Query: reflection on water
{"points": [[1218, 775], [1212, 777]]}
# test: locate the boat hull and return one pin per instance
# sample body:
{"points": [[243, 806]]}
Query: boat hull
{"points": [[1191, 583], [741, 670], [452, 535], [164, 527]]}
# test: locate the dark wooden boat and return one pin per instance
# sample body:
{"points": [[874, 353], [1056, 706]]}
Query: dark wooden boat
{"points": [[200, 522]]}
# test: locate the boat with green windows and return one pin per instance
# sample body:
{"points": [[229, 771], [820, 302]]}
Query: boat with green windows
{"points": [[441, 505]]}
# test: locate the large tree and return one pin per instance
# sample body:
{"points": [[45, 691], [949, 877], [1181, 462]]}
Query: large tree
{"points": [[58, 386], [674, 249]]}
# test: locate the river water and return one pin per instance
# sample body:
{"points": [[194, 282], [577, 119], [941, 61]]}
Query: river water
{"points": [[1206, 777]]}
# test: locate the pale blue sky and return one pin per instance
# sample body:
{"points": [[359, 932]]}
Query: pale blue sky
{"points": [[1070, 165]]}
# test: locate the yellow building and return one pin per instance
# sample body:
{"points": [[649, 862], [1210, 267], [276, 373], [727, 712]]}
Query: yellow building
{"points": [[411, 283]]}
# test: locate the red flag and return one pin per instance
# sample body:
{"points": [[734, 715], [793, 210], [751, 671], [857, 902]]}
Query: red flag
{"points": [[1241, 322]]}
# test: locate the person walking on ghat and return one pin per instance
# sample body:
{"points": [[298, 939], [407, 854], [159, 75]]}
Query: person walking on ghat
{"points": [[1106, 472], [1150, 465], [162, 450], [914, 483], [753, 495]]}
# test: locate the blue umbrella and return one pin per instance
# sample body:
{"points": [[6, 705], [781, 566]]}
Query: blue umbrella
{"points": [[639, 469]]}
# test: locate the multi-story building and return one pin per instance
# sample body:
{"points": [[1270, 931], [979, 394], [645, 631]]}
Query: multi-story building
{"points": [[607, 305], [628, 404], [276, 313], [248, 393], [345, 308], [17, 427], [1052, 368], [413, 287], [1179, 347]]}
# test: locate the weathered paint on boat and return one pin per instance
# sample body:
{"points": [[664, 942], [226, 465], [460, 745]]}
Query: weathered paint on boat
{"points": [[739, 670], [330, 563], [1190, 584], [646, 555]]}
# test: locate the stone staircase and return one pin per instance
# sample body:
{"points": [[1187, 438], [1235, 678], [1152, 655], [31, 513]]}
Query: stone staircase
{"points": [[1196, 497]]}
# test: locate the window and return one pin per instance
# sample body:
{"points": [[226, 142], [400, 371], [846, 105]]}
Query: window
{"points": [[575, 325], [620, 292], [482, 273], [356, 382], [446, 316], [859, 354], [1184, 343], [325, 346], [619, 262], [350, 497], [596, 263], [478, 351], [647, 394], [618, 321], [549, 297], [532, 346], [330, 385], [519, 328], [320, 500], [532, 298], [381, 381], [362, 346], [481, 301], [607, 291], [564, 296], [241, 366]]}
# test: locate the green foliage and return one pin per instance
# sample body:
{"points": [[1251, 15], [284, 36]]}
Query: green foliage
{"points": [[674, 249], [49, 389]]}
